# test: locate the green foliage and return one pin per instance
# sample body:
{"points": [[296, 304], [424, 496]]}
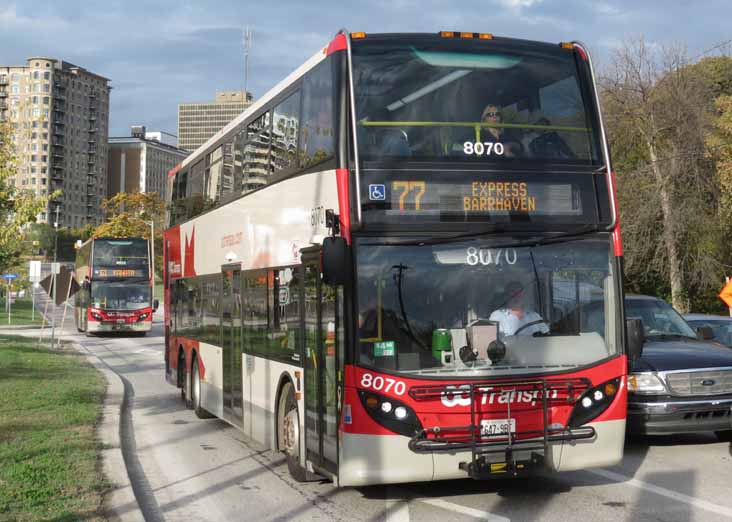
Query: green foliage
{"points": [[669, 125], [717, 71], [17, 207]]}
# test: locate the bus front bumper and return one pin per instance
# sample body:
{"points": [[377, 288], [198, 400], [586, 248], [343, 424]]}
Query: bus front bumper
{"points": [[679, 416], [110, 326]]}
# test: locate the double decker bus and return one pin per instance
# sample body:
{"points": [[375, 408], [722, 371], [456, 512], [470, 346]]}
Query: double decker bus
{"points": [[116, 289], [403, 263]]}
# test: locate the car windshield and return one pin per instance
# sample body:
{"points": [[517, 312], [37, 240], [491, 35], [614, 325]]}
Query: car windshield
{"points": [[722, 329], [120, 296], [659, 318], [485, 307], [466, 100]]}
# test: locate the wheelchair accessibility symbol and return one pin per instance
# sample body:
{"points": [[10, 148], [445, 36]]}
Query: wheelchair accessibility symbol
{"points": [[377, 192]]}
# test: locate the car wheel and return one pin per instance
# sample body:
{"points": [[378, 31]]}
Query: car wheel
{"points": [[199, 410], [288, 428], [724, 436]]}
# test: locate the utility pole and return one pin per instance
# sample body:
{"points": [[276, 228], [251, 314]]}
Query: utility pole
{"points": [[53, 277], [247, 42]]}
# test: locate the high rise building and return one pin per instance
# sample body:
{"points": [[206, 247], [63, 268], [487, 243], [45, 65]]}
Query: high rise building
{"points": [[60, 119], [140, 163], [197, 122]]}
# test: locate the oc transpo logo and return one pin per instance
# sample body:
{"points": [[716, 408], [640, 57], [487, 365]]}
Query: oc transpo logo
{"points": [[460, 396]]}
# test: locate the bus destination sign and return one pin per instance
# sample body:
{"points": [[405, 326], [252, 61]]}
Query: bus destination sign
{"points": [[476, 198], [119, 272]]}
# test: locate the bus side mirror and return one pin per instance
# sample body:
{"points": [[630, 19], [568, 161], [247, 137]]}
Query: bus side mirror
{"points": [[336, 261], [156, 303], [705, 333], [635, 337]]}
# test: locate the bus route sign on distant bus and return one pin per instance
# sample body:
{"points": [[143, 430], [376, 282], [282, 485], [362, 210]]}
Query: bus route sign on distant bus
{"points": [[119, 272]]}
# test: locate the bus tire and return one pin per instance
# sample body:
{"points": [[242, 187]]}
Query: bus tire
{"points": [[199, 410], [288, 430]]}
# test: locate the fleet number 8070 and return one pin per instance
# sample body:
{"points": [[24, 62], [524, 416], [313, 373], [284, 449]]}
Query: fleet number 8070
{"points": [[483, 148]]}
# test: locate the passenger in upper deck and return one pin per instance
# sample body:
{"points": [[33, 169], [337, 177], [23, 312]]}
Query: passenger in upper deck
{"points": [[492, 114], [546, 143]]}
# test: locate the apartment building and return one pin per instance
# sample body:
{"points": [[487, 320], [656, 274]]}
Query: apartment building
{"points": [[140, 162], [197, 122], [59, 113]]}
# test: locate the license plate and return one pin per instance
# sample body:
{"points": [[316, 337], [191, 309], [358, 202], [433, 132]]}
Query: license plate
{"points": [[496, 427], [121, 321]]}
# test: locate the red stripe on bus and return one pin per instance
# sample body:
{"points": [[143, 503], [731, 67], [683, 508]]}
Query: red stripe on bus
{"points": [[581, 52], [617, 240], [344, 203], [338, 43]]}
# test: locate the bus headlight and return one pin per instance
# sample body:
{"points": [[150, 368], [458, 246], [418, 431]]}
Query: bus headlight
{"points": [[645, 383], [97, 316], [390, 413], [593, 402], [142, 317]]}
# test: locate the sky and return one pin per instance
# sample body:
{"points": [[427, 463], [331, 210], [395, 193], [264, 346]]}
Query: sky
{"points": [[158, 53]]}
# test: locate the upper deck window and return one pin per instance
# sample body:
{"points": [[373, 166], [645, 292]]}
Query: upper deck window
{"points": [[428, 99]]}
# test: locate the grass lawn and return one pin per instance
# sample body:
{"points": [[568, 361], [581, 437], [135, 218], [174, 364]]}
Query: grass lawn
{"points": [[20, 313], [50, 403]]}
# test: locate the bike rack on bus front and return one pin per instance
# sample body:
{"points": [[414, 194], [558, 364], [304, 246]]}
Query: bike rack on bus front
{"points": [[553, 392]]}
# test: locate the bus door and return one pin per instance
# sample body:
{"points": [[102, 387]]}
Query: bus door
{"points": [[321, 317], [231, 344]]}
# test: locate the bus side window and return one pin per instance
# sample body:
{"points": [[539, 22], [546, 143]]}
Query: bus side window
{"points": [[317, 139], [285, 317], [252, 155], [285, 132], [254, 302]]}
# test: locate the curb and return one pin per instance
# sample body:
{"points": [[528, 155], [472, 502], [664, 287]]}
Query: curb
{"points": [[120, 503]]}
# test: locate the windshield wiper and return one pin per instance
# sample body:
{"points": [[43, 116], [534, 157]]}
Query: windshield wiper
{"points": [[555, 237]]}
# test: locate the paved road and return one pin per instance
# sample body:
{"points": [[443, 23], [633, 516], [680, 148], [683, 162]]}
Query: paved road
{"points": [[186, 469]]}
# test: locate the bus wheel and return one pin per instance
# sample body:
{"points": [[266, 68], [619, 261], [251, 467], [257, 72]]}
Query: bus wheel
{"points": [[199, 410], [288, 429]]}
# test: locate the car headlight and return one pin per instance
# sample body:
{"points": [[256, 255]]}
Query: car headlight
{"points": [[645, 383]]}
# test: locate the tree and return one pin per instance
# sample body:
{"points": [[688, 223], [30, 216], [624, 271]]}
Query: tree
{"points": [[17, 207], [130, 215], [659, 110]]}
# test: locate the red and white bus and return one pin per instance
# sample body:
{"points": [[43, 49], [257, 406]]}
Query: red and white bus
{"points": [[115, 276], [403, 263]]}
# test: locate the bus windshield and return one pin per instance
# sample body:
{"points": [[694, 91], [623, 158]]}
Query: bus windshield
{"points": [[120, 295], [485, 307], [436, 99], [121, 253]]}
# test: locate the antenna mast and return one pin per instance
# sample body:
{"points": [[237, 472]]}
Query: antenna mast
{"points": [[247, 42]]}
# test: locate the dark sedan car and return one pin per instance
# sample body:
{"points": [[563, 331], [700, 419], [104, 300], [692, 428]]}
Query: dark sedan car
{"points": [[680, 383]]}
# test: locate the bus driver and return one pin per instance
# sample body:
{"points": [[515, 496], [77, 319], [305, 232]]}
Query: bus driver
{"points": [[513, 318]]}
